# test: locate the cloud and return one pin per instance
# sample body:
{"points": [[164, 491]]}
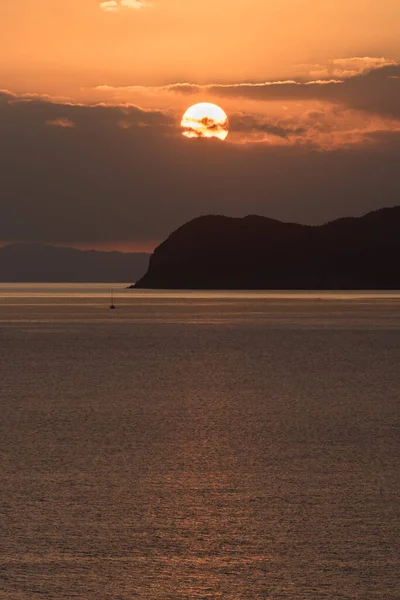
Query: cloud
{"points": [[373, 87], [185, 89], [65, 123], [326, 128], [377, 91], [342, 68], [37, 111], [350, 67], [205, 127], [104, 182], [259, 127], [323, 114], [120, 5]]}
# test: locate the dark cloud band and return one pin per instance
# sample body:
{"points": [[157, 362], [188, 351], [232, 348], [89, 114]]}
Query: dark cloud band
{"points": [[73, 173]]}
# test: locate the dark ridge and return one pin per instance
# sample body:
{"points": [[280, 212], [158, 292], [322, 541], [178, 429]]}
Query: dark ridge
{"points": [[43, 263], [254, 252]]}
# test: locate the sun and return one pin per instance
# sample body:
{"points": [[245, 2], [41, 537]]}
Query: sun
{"points": [[205, 120]]}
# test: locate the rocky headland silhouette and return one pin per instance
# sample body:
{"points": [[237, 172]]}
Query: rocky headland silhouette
{"points": [[254, 252]]}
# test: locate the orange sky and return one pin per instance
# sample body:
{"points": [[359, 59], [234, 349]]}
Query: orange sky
{"points": [[67, 46]]}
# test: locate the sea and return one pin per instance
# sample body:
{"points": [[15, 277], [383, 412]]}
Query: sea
{"points": [[198, 445]]}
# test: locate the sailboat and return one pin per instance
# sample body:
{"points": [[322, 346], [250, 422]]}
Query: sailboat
{"points": [[112, 305]]}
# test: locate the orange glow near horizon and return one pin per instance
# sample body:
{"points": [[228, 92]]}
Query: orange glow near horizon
{"points": [[139, 246], [144, 246]]}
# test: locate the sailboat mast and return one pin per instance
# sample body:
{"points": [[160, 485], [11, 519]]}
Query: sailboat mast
{"points": [[112, 298]]}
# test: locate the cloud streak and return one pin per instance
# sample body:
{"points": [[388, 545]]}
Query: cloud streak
{"points": [[323, 114], [326, 127], [377, 91], [374, 87], [64, 123], [122, 5], [342, 68], [42, 110]]}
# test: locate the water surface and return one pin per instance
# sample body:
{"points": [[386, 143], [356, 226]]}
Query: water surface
{"points": [[198, 445]]}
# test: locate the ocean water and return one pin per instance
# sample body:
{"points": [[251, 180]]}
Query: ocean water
{"points": [[236, 446]]}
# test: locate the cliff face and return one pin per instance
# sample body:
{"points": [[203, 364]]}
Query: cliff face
{"points": [[216, 252]]}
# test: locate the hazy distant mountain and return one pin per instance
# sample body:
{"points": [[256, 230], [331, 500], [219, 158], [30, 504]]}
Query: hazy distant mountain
{"points": [[37, 262], [216, 252]]}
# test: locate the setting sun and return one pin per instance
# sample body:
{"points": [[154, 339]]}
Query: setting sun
{"points": [[205, 120]]}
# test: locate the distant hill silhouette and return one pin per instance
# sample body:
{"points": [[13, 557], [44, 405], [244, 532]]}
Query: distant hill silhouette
{"points": [[216, 252], [42, 263]]}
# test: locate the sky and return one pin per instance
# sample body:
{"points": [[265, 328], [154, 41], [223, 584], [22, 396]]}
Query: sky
{"points": [[92, 94]]}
